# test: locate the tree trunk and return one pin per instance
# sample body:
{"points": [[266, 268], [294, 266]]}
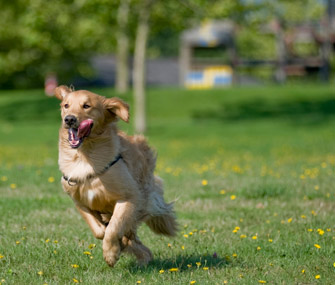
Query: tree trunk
{"points": [[140, 67], [122, 69]]}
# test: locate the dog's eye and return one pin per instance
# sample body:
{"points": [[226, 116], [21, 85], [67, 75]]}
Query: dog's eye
{"points": [[86, 106], [66, 106]]}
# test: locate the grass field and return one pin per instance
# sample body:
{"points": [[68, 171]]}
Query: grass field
{"points": [[251, 170]]}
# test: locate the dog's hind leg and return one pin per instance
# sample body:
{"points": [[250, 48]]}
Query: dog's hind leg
{"points": [[134, 246]]}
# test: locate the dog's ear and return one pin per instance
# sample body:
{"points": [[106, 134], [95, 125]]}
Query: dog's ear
{"points": [[62, 91], [117, 108]]}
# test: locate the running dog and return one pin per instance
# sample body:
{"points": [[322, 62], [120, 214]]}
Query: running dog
{"points": [[109, 175]]}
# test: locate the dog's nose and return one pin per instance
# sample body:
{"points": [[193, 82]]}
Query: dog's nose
{"points": [[70, 120]]}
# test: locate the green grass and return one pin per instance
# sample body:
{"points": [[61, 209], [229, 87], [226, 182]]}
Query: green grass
{"points": [[267, 155]]}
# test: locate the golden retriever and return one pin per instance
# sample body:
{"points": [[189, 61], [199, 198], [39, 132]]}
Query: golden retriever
{"points": [[109, 175]]}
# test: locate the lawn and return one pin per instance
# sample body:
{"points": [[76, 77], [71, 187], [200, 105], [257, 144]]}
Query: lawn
{"points": [[251, 171]]}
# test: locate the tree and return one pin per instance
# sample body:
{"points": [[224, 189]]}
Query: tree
{"points": [[122, 71]]}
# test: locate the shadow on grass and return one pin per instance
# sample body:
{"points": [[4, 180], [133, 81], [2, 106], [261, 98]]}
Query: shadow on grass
{"points": [[298, 111], [182, 262], [31, 110]]}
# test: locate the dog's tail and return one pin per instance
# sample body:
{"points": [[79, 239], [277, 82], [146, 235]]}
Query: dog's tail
{"points": [[162, 217]]}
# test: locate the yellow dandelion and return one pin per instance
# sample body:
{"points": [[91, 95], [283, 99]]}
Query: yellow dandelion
{"points": [[262, 281], [321, 232], [186, 236], [17, 242], [316, 187], [334, 264], [205, 268], [189, 265], [92, 245], [270, 240], [169, 244], [75, 280], [55, 241], [204, 182], [198, 263], [303, 271], [289, 220], [259, 248], [173, 269], [1, 256], [313, 213], [232, 197], [234, 255], [138, 282], [51, 179], [190, 233], [303, 216], [91, 257], [24, 228], [4, 178], [183, 247], [243, 236], [317, 276], [309, 230], [47, 240], [329, 230], [225, 282], [74, 265], [12, 185], [87, 253], [222, 192], [317, 246], [55, 251], [254, 237], [161, 271], [193, 282], [40, 273]]}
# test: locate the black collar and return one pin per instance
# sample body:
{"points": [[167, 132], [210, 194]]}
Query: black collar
{"points": [[73, 182]]}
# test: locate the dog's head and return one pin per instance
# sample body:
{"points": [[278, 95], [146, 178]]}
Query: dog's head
{"points": [[86, 114]]}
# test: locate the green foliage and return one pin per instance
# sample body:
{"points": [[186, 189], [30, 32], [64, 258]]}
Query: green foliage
{"points": [[252, 179]]}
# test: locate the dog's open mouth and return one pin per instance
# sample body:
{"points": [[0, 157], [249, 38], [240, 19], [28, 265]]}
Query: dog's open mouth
{"points": [[77, 136]]}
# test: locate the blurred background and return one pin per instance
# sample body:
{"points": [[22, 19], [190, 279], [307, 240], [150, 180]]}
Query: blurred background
{"points": [[190, 43]]}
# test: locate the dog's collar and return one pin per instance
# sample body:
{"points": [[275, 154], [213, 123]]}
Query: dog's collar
{"points": [[73, 182]]}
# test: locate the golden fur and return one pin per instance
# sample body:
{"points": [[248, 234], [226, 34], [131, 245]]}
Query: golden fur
{"points": [[113, 203]]}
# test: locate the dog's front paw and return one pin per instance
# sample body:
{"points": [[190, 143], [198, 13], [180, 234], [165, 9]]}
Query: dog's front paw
{"points": [[111, 258]]}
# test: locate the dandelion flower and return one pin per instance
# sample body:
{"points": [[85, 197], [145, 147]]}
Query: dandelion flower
{"points": [[75, 280], [173, 269], [232, 197], [317, 276], [254, 237], [183, 247], [222, 192], [47, 240], [51, 179], [138, 282], [205, 268], [234, 255], [1, 256], [169, 244], [243, 236], [40, 273], [204, 182], [303, 271], [17, 242], [74, 265], [289, 220], [321, 232], [317, 246], [87, 253], [55, 241], [12, 185], [262, 281], [161, 271], [258, 248], [198, 263], [270, 240], [4, 178], [303, 216], [186, 236], [309, 230], [193, 282], [92, 245]]}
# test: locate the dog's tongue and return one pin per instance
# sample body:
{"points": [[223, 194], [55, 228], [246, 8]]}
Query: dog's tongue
{"points": [[84, 128]]}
